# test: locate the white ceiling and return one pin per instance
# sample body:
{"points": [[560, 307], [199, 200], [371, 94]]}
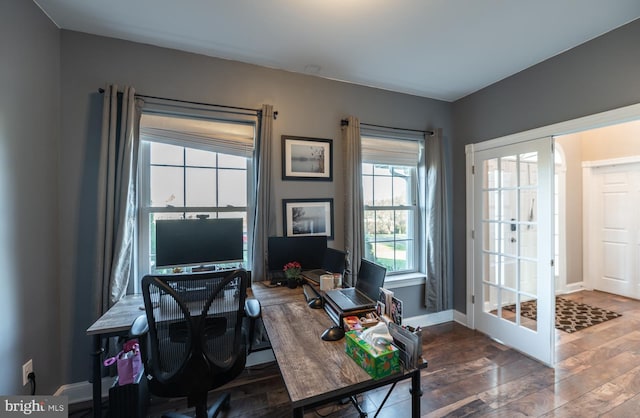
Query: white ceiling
{"points": [[443, 49]]}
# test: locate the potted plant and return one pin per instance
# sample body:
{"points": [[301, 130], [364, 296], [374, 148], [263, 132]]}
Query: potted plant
{"points": [[292, 273]]}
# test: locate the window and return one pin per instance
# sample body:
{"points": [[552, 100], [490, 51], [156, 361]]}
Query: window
{"points": [[389, 179], [189, 168]]}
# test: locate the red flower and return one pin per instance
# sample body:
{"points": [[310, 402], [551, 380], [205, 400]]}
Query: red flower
{"points": [[292, 269]]}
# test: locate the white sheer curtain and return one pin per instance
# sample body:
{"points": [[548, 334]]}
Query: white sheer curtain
{"points": [[438, 290], [353, 200], [264, 216], [116, 192]]}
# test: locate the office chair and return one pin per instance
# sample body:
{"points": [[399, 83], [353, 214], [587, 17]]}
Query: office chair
{"points": [[195, 339]]}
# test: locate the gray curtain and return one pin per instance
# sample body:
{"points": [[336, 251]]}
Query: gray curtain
{"points": [[116, 193], [353, 200], [264, 217], [438, 292]]}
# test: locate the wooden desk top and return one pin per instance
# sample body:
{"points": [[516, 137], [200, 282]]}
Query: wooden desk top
{"points": [[312, 369], [119, 318], [274, 295]]}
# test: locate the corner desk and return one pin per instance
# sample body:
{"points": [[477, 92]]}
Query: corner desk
{"points": [[315, 372]]}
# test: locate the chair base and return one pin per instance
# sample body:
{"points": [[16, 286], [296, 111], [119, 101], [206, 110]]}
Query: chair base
{"points": [[221, 403]]}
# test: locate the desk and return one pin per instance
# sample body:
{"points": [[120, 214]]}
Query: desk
{"points": [[115, 322], [315, 371]]}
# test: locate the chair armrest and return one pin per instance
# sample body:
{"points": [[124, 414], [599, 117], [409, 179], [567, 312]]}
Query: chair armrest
{"points": [[139, 327], [252, 308]]}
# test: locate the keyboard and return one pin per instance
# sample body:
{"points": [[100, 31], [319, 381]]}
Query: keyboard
{"points": [[355, 297]]}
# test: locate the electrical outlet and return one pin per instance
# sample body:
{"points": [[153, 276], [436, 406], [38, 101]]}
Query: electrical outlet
{"points": [[26, 369]]}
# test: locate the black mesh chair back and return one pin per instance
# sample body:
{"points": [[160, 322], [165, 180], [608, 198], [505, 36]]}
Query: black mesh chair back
{"points": [[195, 340]]}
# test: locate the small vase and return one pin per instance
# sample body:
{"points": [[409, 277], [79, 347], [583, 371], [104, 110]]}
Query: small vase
{"points": [[292, 283]]}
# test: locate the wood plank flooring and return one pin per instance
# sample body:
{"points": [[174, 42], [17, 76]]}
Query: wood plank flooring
{"points": [[597, 374]]}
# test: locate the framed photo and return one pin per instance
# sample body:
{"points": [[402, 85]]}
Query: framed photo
{"points": [[306, 217], [307, 158]]}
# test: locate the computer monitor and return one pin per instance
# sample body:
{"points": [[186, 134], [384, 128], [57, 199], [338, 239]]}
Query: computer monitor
{"points": [[195, 242], [308, 251], [370, 278]]}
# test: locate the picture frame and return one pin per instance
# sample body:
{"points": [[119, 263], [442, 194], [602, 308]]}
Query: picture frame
{"points": [[307, 158], [307, 217]]}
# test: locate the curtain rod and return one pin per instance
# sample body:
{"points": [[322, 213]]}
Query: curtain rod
{"points": [[345, 122], [258, 111]]}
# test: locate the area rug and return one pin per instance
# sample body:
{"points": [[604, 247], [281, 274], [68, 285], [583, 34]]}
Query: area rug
{"points": [[570, 316]]}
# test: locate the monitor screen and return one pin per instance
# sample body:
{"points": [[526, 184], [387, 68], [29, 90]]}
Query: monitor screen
{"points": [[308, 251], [193, 242]]}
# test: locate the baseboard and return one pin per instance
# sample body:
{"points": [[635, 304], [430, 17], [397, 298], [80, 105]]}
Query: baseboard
{"points": [[83, 391], [574, 287], [429, 319], [460, 318]]}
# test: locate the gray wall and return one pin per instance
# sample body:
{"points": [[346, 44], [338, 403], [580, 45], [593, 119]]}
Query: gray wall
{"points": [[600, 75], [307, 106], [29, 136]]}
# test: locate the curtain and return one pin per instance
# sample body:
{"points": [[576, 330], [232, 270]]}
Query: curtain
{"points": [[116, 194], [353, 200], [438, 290], [264, 216]]}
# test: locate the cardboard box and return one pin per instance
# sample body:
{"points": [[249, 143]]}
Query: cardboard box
{"points": [[377, 364]]}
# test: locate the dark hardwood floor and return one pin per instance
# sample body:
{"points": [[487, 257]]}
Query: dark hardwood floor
{"points": [[597, 374]]}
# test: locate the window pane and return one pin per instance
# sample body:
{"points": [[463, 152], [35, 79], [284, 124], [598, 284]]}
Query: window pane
{"points": [[382, 191], [166, 154], [232, 188], [199, 158], [367, 190], [201, 187], [381, 170], [166, 186], [401, 224], [401, 191], [231, 161], [389, 234]]}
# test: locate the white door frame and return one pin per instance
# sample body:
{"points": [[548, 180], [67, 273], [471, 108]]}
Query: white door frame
{"points": [[611, 117]]}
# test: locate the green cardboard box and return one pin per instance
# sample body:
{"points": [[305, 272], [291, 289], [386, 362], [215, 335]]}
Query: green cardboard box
{"points": [[377, 364]]}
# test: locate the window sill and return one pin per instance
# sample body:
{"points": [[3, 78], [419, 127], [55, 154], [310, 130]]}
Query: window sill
{"points": [[404, 280]]}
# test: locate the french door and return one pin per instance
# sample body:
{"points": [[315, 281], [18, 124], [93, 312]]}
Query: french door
{"points": [[513, 245]]}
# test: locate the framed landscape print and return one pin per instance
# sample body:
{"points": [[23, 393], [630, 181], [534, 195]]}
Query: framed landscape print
{"points": [[306, 217], [307, 158]]}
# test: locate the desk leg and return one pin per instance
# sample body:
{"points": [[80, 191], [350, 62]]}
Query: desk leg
{"points": [[416, 393], [97, 376], [298, 412]]}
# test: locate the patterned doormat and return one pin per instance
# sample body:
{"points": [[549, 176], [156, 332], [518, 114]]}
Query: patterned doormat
{"points": [[570, 316]]}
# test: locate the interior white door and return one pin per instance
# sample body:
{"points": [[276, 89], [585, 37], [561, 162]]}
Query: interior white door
{"points": [[513, 245], [614, 242]]}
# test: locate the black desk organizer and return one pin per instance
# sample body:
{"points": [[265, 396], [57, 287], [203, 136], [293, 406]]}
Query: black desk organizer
{"points": [[337, 315]]}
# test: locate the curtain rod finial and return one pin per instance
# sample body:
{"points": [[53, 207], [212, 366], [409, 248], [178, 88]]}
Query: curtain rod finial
{"points": [[344, 122]]}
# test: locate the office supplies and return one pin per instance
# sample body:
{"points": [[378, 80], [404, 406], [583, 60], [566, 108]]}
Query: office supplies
{"points": [[364, 296], [408, 342], [326, 282], [379, 360], [333, 333]]}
